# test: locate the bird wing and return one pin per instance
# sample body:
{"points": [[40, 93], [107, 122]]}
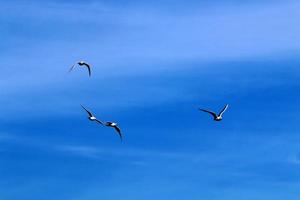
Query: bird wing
{"points": [[89, 68], [223, 110], [210, 112], [99, 121], [119, 131], [90, 114], [72, 67]]}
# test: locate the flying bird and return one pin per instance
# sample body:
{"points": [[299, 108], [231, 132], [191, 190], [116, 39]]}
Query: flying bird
{"points": [[91, 117], [82, 64], [114, 125], [217, 117]]}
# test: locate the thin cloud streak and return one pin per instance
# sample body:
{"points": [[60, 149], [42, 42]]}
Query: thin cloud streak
{"points": [[128, 52], [98, 153]]}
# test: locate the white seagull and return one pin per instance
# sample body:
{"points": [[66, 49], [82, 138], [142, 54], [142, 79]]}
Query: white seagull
{"points": [[114, 125], [82, 64], [217, 117]]}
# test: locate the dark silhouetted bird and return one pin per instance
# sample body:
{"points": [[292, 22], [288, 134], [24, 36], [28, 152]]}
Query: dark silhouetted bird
{"points": [[82, 64], [217, 117]]}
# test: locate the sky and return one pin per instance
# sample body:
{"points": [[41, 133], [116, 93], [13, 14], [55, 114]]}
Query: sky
{"points": [[153, 65]]}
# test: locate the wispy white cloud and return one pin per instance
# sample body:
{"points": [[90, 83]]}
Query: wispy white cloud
{"points": [[140, 35], [132, 43], [84, 151], [141, 40], [98, 153]]}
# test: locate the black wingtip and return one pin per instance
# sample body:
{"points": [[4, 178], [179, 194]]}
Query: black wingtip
{"points": [[121, 136]]}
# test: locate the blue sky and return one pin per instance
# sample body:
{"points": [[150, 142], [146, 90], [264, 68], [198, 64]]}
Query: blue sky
{"points": [[154, 64]]}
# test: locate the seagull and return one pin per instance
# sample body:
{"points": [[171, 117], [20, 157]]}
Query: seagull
{"points": [[91, 117], [217, 117], [114, 125], [83, 64]]}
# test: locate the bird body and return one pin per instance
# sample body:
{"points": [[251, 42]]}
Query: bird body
{"points": [[111, 124], [92, 118], [81, 63], [217, 117]]}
